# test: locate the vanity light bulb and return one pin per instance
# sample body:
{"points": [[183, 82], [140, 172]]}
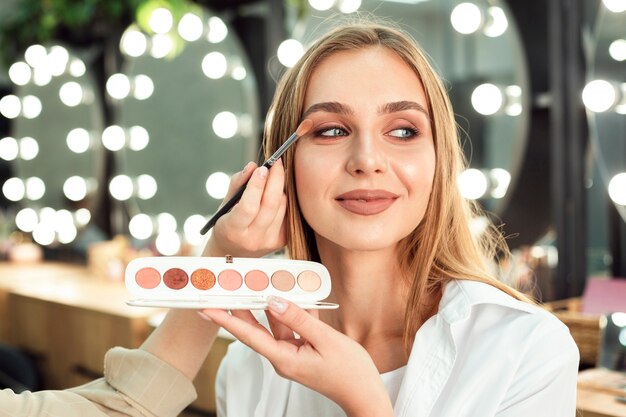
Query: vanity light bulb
{"points": [[113, 138], [43, 234], [192, 227], [146, 187], [36, 55], [617, 50], [139, 138], [349, 6], [78, 140], [166, 222], [217, 185], [616, 6], [118, 86], [82, 216], [161, 20], [75, 188], [225, 125], [57, 60], [497, 23], [217, 30], [71, 94], [26, 219], [10, 106], [466, 18], [162, 45], [501, 179], [472, 184], [190, 27], [121, 187], [238, 73], [487, 99], [14, 189], [35, 188], [321, 5], [168, 243], [9, 148], [29, 148], [134, 43], [140, 226], [214, 65], [20, 73], [143, 87], [31, 107], [67, 234], [42, 76], [617, 189], [289, 52], [77, 68], [599, 96]]}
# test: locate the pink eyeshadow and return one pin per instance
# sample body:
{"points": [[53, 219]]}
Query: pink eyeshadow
{"points": [[230, 279], [283, 280], [257, 280], [309, 281], [147, 278]]}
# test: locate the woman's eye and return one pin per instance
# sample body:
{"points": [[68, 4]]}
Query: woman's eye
{"points": [[404, 132], [332, 132]]}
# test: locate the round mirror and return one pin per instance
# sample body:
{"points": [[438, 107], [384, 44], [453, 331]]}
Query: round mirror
{"points": [[188, 121], [55, 118]]}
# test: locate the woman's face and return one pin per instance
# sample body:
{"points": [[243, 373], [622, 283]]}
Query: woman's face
{"points": [[364, 173]]}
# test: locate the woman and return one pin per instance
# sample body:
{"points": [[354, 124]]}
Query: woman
{"points": [[423, 328]]}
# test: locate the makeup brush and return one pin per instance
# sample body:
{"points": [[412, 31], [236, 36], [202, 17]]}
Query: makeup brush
{"points": [[302, 130]]}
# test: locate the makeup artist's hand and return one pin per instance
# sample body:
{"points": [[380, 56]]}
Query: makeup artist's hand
{"points": [[322, 359], [256, 224]]}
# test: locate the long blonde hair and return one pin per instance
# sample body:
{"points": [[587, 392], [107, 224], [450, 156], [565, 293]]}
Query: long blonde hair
{"points": [[442, 247]]}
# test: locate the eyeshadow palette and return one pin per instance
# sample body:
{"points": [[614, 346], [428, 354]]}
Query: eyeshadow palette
{"points": [[229, 283]]}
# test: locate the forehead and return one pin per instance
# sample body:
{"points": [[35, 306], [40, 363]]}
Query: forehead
{"points": [[374, 74]]}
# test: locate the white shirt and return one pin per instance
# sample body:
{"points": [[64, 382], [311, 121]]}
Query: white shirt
{"points": [[483, 354]]}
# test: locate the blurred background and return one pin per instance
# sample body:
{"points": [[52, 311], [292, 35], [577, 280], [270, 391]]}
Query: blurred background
{"points": [[122, 120]]}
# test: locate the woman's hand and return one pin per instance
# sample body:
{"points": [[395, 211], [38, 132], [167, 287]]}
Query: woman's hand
{"points": [[322, 358], [256, 225]]}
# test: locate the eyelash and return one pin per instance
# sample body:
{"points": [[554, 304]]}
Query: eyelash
{"points": [[413, 132]]}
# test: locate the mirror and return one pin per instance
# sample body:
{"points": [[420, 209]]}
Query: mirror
{"points": [[188, 121]]}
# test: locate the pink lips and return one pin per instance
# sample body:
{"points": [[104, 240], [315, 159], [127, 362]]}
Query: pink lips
{"points": [[366, 202]]}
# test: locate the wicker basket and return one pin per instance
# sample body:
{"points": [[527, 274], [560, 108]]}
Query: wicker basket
{"points": [[585, 329]]}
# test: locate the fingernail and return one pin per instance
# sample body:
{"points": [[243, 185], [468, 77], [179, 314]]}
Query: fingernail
{"points": [[262, 172], [246, 168], [276, 304], [204, 316], [279, 162]]}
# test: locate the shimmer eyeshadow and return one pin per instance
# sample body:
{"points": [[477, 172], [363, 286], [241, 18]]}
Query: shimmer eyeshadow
{"points": [[257, 280], [203, 279], [148, 278], [175, 278], [309, 281], [230, 279], [283, 280]]}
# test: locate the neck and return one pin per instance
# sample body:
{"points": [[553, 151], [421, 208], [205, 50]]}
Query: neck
{"points": [[372, 298]]}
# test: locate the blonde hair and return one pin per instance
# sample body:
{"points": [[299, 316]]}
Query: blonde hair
{"points": [[442, 247]]}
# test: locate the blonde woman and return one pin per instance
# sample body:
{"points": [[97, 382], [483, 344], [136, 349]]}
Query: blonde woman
{"points": [[423, 328]]}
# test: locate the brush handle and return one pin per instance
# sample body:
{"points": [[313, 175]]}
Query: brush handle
{"points": [[229, 204]]}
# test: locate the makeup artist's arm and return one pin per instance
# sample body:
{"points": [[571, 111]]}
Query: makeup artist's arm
{"points": [[322, 359], [256, 224]]}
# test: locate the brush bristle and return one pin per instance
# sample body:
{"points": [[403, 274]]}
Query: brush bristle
{"points": [[304, 127]]}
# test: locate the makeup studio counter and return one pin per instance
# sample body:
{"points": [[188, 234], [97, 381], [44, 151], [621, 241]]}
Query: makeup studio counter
{"points": [[66, 319]]}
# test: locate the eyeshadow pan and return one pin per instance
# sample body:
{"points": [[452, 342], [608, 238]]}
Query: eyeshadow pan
{"points": [[230, 279], [147, 278], [283, 280], [257, 280], [203, 279], [175, 278], [309, 281]]}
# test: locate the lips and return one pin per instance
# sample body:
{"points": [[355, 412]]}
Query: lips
{"points": [[366, 202]]}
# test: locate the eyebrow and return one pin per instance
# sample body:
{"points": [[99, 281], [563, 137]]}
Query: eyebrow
{"points": [[393, 107]]}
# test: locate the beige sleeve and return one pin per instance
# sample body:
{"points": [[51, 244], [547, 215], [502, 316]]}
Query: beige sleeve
{"points": [[135, 383]]}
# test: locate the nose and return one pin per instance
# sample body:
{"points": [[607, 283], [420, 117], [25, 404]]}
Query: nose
{"points": [[366, 157]]}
